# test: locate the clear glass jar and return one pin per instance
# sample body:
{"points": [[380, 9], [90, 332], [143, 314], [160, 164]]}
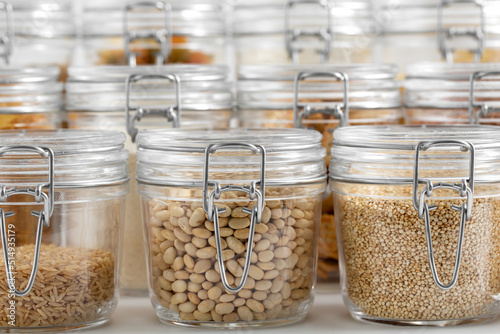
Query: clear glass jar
{"points": [[417, 213], [31, 98], [302, 32], [155, 32], [97, 99], [441, 93], [37, 33], [272, 204], [268, 96], [427, 30], [61, 212]]}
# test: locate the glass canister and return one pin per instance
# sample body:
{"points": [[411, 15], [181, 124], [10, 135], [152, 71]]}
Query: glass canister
{"points": [[433, 30], [438, 93], [302, 32], [231, 223], [61, 214], [320, 98], [153, 32], [189, 96], [417, 214], [30, 98], [36, 33]]}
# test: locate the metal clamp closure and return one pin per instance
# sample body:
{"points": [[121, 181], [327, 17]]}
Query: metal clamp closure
{"points": [[339, 111], [161, 36], [465, 189], [445, 35], [172, 113], [484, 109], [324, 34], [213, 212], [43, 215], [6, 38]]}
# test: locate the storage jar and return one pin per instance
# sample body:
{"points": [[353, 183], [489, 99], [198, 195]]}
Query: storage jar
{"points": [[61, 215], [231, 222], [417, 210]]}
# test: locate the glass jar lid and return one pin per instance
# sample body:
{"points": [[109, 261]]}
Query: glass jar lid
{"points": [[30, 90], [177, 157], [81, 158], [387, 154], [370, 86]]}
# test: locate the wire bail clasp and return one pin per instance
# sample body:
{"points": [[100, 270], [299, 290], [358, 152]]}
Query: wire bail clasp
{"points": [[324, 34], [161, 36], [171, 113], [484, 109], [7, 37], [444, 35], [465, 188], [213, 212], [43, 215], [339, 111]]}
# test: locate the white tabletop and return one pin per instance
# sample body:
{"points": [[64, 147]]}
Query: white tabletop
{"points": [[328, 315]]}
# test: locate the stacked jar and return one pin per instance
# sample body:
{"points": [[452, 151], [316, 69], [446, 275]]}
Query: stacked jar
{"points": [[231, 221], [321, 98], [124, 98], [154, 32], [302, 32], [61, 217], [31, 98], [37, 32], [452, 93]]}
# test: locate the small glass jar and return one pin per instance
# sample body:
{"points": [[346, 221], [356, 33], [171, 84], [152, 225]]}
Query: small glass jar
{"points": [[31, 98], [417, 210], [270, 96], [438, 93], [155, 32], [430, 30], [97, 99], [302, 32], [37, 33], [61, 217], [211, 198]]}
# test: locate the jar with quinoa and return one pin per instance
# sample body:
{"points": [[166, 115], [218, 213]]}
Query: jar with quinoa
{"points": [[320, 98], [61, 216], [186, 96], [231, 221], [418, 211]]}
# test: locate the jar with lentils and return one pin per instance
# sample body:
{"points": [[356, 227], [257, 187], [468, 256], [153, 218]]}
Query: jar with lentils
{"points": [[231, 224], [418, 212]]}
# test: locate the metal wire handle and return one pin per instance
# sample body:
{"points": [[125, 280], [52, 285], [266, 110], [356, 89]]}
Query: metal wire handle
{"points": [[443, 35], [43, 215], [339, 111], [213, 212], [172, 113], [6, 38], [161, 36], [484, 108], [323, 34], [465, 189]]}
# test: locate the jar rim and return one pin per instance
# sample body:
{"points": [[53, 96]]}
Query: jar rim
{"points": [[10, 75]]}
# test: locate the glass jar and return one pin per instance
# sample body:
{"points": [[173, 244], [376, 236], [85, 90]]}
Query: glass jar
{"points": [[452, 93], [430, 30], [37, 33], [211, 198], [270, 96], [154, 32], [61, 216], [302, 32], [417, 213], [97, 98], [30, 98]]}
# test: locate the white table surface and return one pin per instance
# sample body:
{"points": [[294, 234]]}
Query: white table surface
{"points": [[328, 315]]}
